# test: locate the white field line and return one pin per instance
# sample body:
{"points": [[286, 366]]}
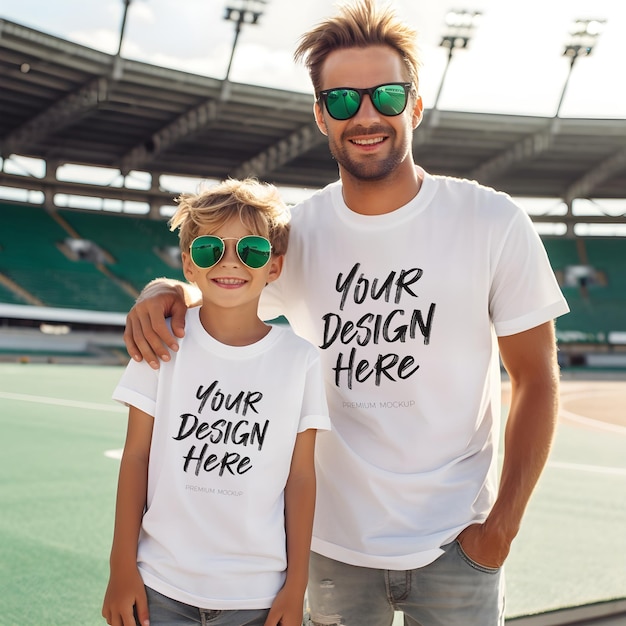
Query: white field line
{"points": [[588, 421], [596, 424], [91, 406], [595, 469]]}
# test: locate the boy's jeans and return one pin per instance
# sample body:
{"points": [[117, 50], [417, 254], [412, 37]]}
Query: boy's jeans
{"points": [[167, 612], [451, 591]]}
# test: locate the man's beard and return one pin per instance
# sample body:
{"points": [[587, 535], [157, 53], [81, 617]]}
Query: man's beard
{"points": [[373, 169]]}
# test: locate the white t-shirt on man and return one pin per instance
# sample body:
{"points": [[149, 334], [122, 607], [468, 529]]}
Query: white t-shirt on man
{"points": [[406, 308]]}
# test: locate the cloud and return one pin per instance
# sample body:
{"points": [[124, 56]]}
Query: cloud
{"points": [[101, 39], [142, 12], [260, 65]]}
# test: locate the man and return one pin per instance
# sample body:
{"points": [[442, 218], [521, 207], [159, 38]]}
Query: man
{"points": [[411, 285]]}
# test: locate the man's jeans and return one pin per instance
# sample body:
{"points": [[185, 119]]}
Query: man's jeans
{"points": [[451, 591], [167, 612]]}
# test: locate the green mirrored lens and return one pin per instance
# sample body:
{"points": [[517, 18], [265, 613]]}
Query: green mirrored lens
{"points": [[206, 251], [254, 251], [389, 99], [342, 104]]}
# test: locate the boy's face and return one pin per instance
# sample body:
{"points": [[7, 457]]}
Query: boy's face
{"points": [[230, 283], [369, 145]]}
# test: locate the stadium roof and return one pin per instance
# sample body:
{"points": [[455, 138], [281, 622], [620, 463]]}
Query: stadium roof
{"points": [[67, 103]]}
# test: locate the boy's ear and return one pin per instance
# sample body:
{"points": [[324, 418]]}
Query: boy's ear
{"points": [[276, 267], [188, 266]]}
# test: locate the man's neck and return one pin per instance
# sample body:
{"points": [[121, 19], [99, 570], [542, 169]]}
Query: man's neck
{"points": [[382, 196]]}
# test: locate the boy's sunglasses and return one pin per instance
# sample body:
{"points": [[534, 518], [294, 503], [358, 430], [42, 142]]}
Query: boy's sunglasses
{"points": [[252, 250], [342, 103]]}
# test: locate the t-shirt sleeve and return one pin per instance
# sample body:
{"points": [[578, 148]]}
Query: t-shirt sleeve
{"points": [[314, 412], [138, 387], [524, 289]]}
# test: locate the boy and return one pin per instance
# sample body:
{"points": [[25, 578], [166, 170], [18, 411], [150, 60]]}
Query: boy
{"points": [[217, 483]]}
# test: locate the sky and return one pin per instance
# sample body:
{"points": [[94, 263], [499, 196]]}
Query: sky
{"points": [[514, 63]]}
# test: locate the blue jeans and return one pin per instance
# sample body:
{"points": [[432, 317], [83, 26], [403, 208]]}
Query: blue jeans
{"points": [[451, 591], [167, 612]]}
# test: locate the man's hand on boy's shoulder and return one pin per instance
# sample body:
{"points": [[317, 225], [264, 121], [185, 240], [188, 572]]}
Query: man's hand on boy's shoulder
{"points": [[147, 335]]}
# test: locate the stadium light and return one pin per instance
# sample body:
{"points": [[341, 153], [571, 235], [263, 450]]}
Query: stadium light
{"points": [[460, 26], [123, 27], [244, 12], [117, 63], [459, 29], [583, 36]]}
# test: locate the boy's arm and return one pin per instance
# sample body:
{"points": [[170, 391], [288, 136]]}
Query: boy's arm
{"points": [[146, 334], [287, 608], [530, 360], [125, 589]]}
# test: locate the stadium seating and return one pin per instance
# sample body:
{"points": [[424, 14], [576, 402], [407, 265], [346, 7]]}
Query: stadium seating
{"points": [[31, 257], [9, 297], [598, 307], [132, 242], [609, 300], [562, 252]]}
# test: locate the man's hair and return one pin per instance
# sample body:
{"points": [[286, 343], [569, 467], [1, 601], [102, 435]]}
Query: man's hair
{"points": [[357, 25], [258, 206]]}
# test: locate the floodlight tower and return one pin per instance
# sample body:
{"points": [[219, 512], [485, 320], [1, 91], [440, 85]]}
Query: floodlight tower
{"points": [[117, 62], [123, 27], [244, 12], [583, 36], [459, 29]]}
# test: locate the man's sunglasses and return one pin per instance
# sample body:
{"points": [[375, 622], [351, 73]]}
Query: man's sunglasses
{"points": [[252, 250], [342, 103]]}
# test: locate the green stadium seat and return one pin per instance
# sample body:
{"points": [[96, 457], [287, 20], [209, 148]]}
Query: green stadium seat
{"points": [[131, 241], [30, 256]]}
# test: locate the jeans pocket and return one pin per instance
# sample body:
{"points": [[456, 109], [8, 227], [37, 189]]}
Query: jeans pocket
{"points": [[477, 566]]}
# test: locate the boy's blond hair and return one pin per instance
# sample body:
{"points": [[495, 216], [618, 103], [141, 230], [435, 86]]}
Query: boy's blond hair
{"points": [[357, 25], [258, 206]]}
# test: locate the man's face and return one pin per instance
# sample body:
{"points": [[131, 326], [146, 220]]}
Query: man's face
{"points": [[369, 146]]}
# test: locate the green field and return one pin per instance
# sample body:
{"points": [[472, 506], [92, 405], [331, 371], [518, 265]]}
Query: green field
{"points": [[57, 492]]}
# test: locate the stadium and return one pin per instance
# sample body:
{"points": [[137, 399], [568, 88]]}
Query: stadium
{"points": [[75, 252]]}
